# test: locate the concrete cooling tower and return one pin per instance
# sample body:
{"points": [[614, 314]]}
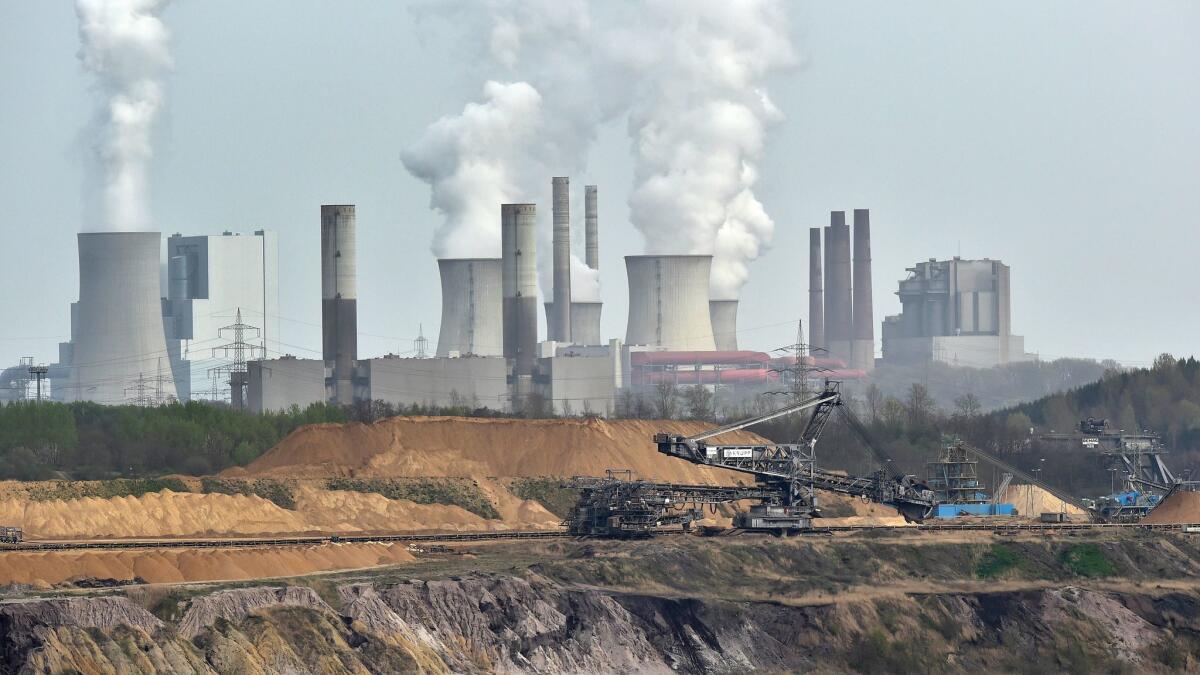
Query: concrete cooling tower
{"points": [[585, 321], [120, 350], [472, 307], [668, 301], [723, 314]]}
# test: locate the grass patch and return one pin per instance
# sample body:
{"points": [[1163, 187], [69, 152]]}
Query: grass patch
{"points": [[556, 497], [104, 489], [1086, 560], [462, 493], [275, 491], [997, 561]]}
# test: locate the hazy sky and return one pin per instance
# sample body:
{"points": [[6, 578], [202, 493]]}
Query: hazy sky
{"points": [[1062, 138]]}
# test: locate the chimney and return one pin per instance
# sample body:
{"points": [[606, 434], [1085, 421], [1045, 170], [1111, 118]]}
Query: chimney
{"points": [[863, 349], [560, 324], [591, 228], [518, 235], [816, 296], [339, 294], [838, 303]]}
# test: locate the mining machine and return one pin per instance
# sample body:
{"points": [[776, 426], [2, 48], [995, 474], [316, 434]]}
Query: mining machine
{"points": [[789, 470]]}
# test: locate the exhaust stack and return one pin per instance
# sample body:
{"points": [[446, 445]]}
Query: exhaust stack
{"points": [[518, 234], [339, 297], [863, 348], [816, 294], [591, 228], [838, 300], [560, 323]]}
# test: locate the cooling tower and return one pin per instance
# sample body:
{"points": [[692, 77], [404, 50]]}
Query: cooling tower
{"points": [[838, 303], [591, 228], [862, 350], [668, 301], [120, 349], [339, 293], [472, 307], [816, 294], [585, 322], [723, 314], [518, 244], [560, 323]]}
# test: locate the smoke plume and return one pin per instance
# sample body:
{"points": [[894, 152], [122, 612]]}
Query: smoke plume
{"points": [[688, 75], [126, 46], [698, 127]]}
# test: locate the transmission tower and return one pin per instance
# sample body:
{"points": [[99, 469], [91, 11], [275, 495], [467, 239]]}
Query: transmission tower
{"points": [[420, 345], [142, 391], [234, 374], [799, 369], [39, 372]]}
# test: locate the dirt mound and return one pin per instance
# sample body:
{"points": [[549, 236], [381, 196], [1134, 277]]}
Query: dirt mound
{"points": [[173, 514], [1181, 507], [177, 565], [1032, 501], [463, 446]]}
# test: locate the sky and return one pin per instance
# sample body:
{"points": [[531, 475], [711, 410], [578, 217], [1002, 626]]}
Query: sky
{"points": [[1062, 138]]}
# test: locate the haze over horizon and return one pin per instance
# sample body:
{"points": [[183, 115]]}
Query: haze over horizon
{"points": [[1062, 140]]}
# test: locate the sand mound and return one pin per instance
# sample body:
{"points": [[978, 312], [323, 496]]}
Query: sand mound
{"points": [[172, 514], [1032, 501], [179, 565], [1182, 506], [463, 446]]}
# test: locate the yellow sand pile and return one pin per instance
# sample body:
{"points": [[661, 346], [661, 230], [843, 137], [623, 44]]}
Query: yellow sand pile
{"points": [[1182, 507], [178, 565], [461, 446], [1032, 501], [171, 514]]}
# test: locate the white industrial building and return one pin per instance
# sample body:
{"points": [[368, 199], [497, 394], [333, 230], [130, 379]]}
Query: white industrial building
{"points": [[210, 278]]}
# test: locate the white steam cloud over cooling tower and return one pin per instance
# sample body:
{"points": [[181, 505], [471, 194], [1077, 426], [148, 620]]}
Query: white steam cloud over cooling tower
{"points": [[668, 301], [472, 307], [120, 350], [127, 47]]}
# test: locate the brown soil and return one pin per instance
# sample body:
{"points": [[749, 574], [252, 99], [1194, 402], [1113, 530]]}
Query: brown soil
{"points": [[462, 446], [172, 514], [180, 565], [1181, 507]]}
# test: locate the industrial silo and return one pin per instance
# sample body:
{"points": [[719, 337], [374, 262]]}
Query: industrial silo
{"points": [[668, 301], [472, 307], [120, 348], [723, 314]]}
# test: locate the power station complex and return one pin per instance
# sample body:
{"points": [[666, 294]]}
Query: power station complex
{"points": [[130, 343]]}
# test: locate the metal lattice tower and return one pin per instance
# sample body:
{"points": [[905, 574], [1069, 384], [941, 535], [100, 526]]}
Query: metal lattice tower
{"points": [[421, 344], [236, 352], [798, 374], [141, 392], [39, 372]]}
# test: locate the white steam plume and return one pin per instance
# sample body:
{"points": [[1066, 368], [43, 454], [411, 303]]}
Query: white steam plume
{"points": [[690, 74], [126, 46], [698, 127]]}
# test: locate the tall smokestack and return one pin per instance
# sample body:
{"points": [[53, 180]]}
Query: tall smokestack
{"points": [[518, 244], [560, 323], [591, 228], [119, 340], [816, 294], [339, 297], [863, 348], [838, 302]]}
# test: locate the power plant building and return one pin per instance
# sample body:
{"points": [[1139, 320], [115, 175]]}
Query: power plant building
{"points": [[954, 311], [209, 279]]}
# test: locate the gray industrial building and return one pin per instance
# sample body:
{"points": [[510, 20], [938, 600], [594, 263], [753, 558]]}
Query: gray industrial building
{"points": [[954, 311], [210, 279]]}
